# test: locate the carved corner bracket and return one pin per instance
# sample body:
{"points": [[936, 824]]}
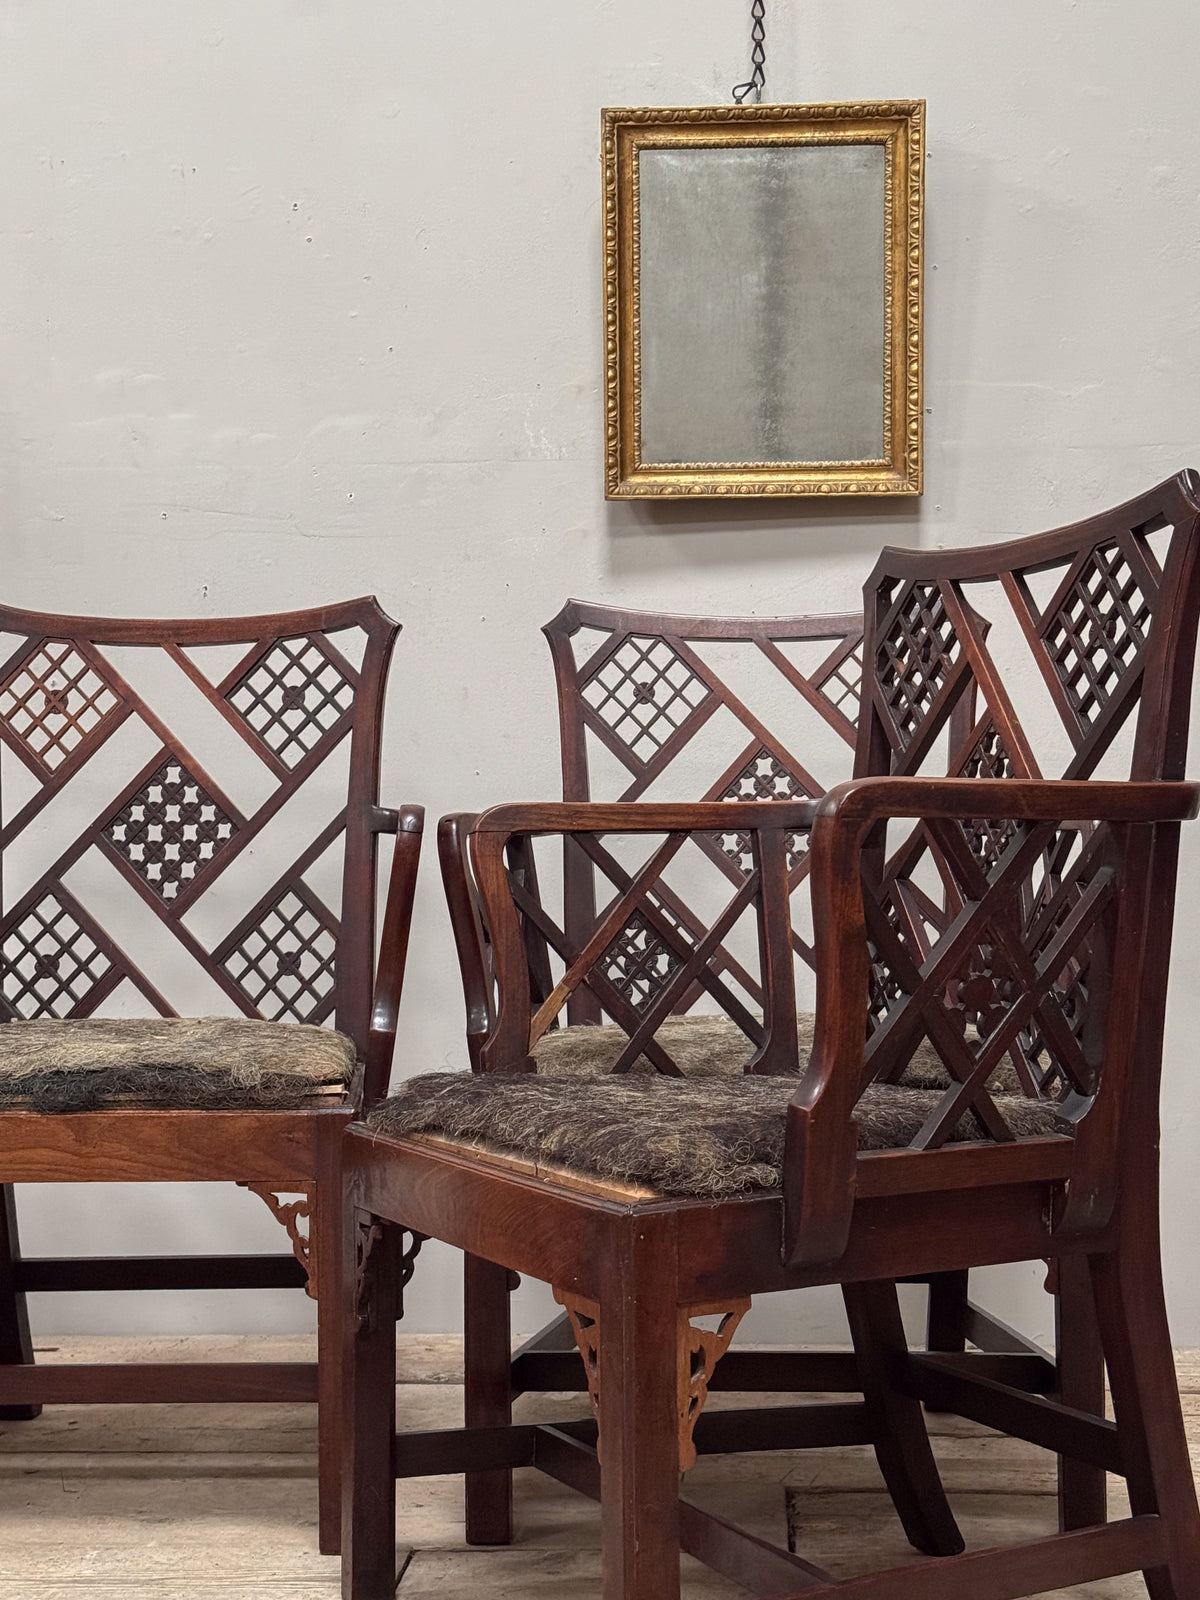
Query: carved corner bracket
{"points": [[296, 1217], [697, 1352], [369, 1231], [585, 1325]]}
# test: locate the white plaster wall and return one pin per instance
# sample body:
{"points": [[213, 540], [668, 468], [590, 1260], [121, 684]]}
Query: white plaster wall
{"points": [[300, 299]]}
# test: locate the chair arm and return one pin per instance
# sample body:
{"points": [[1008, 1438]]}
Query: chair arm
{"points": [[705, 816], [490, 841], [821, 1146], [393, 951], [863, 801], [467, 926]]}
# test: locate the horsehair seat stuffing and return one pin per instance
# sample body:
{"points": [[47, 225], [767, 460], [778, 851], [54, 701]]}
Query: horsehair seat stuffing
{"points": [[714, 1132], [200, 1063]]}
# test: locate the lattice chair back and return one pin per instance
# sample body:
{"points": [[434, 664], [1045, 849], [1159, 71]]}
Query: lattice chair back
{"points": [[992, 939], [158, 854], [659, 707]]}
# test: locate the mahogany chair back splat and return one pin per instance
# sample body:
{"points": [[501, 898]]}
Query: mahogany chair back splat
{"points": [[654, 706], [190, 823], [981, 1087]]}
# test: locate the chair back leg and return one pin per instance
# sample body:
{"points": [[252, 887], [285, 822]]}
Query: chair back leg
{"points": [[1079, 1362], [325, 1273], [487, 1374], [16, 1346], [900, 1439]]}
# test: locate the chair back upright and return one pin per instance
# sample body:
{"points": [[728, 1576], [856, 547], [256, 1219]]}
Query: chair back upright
{"points": [[157, 853]]}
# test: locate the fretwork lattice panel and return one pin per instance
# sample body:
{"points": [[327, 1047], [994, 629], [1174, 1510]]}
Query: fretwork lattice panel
{"points": [[1072, 637], [975, 657], [684, 708], [644, 961], [287, 702]]}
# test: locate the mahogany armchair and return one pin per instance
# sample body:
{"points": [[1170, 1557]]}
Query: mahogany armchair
{"points": [[678, 708], [977, 1089], [137, 886]]}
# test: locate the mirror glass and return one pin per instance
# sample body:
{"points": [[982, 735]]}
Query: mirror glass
{"points": [[761, 292]]}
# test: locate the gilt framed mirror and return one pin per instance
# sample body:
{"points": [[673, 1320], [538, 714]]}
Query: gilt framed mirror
{"points": [[763, 274]]}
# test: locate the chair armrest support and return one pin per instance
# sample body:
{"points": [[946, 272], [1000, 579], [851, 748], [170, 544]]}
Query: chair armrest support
{"points": [[393, 951], [467, 926]]}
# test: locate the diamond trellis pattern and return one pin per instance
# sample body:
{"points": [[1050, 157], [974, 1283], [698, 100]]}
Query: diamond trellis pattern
{"points": [[638, 964], [843, 687], [915, 656], [764, 777], [54, 700], [1070, 996], [169, 831], [989, 759], [285, 964], [1098, 632], [644, 693], [48, 964], [884, 990], [292, 697]]}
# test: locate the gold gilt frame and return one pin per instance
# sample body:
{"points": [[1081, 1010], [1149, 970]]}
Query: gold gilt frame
{"points": [[896, 124]]}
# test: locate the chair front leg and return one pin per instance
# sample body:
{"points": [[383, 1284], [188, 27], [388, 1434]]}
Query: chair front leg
{"points": [[16, 1346], [370, 1301], [639, 1417]]}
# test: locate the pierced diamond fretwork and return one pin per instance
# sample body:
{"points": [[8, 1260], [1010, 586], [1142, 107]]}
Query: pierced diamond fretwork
{"points": [[843, 687], [644, 693], [983, 995], [285, 964], [989, 758], [292, 697], [48, 964], [884, 990], [764, 777], [54, 700], [170, 830], [638, 964], [915, 656], [1098, 632]]}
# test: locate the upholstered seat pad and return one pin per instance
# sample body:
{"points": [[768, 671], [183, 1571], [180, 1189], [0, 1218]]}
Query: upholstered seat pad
{"points": [[213, 1063], [707, 1136], [713, 1046]]}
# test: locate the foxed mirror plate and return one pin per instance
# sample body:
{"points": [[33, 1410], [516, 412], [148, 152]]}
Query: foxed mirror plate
{"points": [[763, 299]]}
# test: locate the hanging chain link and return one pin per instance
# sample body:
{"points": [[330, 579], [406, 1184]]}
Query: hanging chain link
{"points": [[758, 57]]}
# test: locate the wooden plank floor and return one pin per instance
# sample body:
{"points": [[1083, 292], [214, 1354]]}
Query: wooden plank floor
{"points": [[219, 1502]]}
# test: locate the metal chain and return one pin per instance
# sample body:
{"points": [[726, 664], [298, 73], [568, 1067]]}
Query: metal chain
{"points": [[758, 57]]}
